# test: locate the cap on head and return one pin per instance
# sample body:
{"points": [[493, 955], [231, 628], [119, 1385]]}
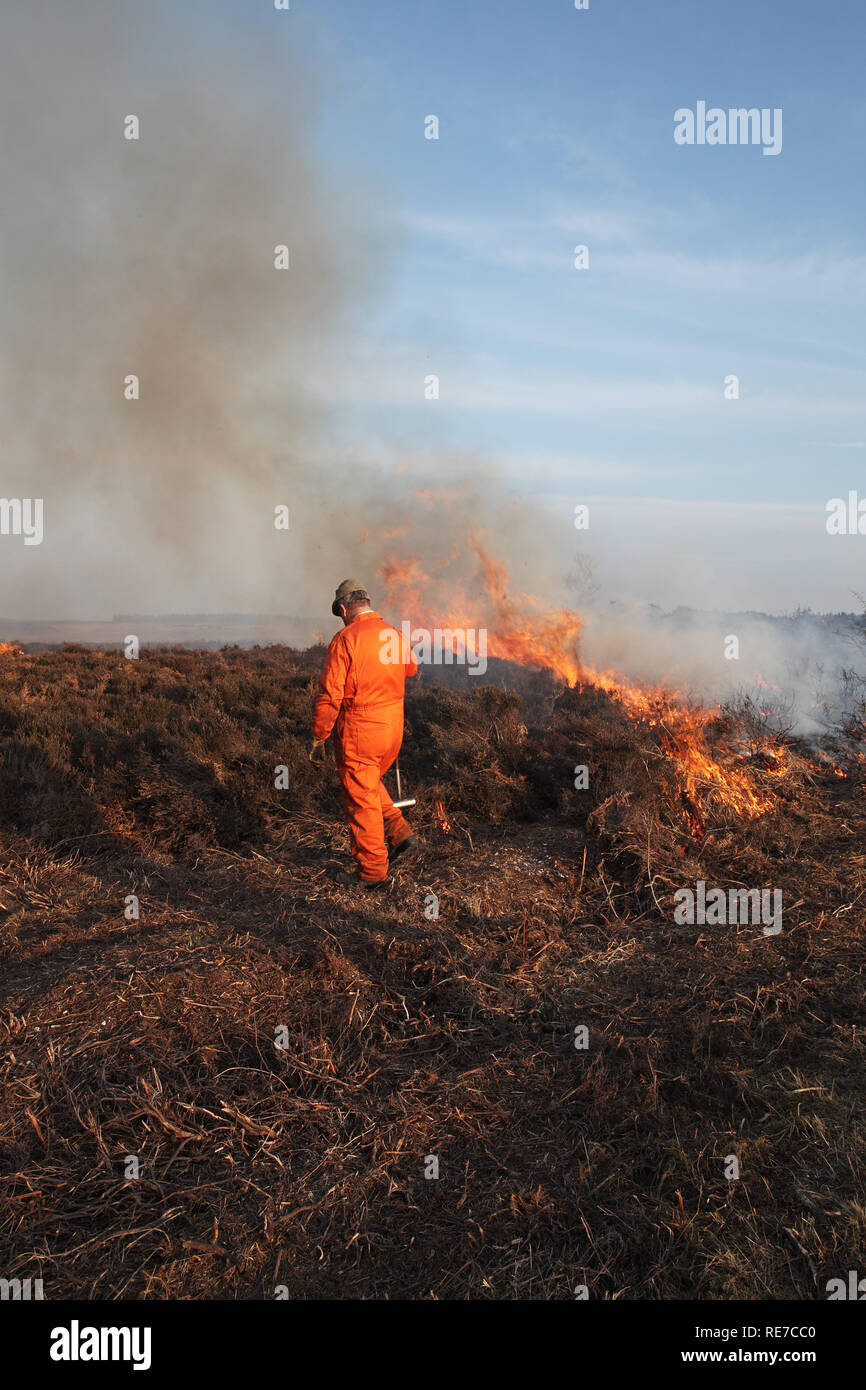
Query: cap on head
{"points": [[348, 586]]}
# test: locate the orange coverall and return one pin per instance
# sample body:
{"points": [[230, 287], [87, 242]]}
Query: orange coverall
{"points": [[361, 698]]}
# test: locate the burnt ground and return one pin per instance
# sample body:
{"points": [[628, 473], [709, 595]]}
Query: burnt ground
{"points": [[409, 1037]]}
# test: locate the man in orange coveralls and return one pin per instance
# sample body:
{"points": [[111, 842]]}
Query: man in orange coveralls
{"points": [[361, 697]]}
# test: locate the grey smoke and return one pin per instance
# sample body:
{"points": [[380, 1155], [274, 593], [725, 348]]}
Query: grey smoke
{"points": [[156, 257]]}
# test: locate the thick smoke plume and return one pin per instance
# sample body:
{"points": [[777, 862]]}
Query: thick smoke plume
{"points": [[155, 257]]}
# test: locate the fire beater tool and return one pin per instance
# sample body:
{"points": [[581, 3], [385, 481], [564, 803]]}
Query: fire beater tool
{"points": [[406, 801]]}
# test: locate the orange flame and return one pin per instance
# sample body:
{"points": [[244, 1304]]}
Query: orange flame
{"points": [[520, 629]]}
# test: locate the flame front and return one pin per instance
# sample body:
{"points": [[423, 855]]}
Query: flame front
{"points": [[518, 627], [521, 629], [685, 731]]}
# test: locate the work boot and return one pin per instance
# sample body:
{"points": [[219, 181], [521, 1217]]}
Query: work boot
{"points": [[407, 846], [356, 881]]}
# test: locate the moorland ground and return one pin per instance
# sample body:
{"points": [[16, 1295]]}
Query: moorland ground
{"points": [[406, 1036]]}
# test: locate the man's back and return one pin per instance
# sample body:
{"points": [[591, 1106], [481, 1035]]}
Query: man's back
{"points": [[365, 668], [380, 661]]}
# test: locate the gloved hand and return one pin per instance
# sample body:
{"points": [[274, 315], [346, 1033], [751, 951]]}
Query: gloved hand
{"points": [[314, 749]]}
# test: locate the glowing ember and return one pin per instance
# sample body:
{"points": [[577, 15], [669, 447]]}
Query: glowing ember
{"points": [[825, 765], [441, 817]]}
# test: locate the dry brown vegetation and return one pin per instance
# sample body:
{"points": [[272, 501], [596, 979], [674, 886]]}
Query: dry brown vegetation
{"points": [[410, 1036]]}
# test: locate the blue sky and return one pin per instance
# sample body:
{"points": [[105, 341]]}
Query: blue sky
{"points": [[556, 128]]}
